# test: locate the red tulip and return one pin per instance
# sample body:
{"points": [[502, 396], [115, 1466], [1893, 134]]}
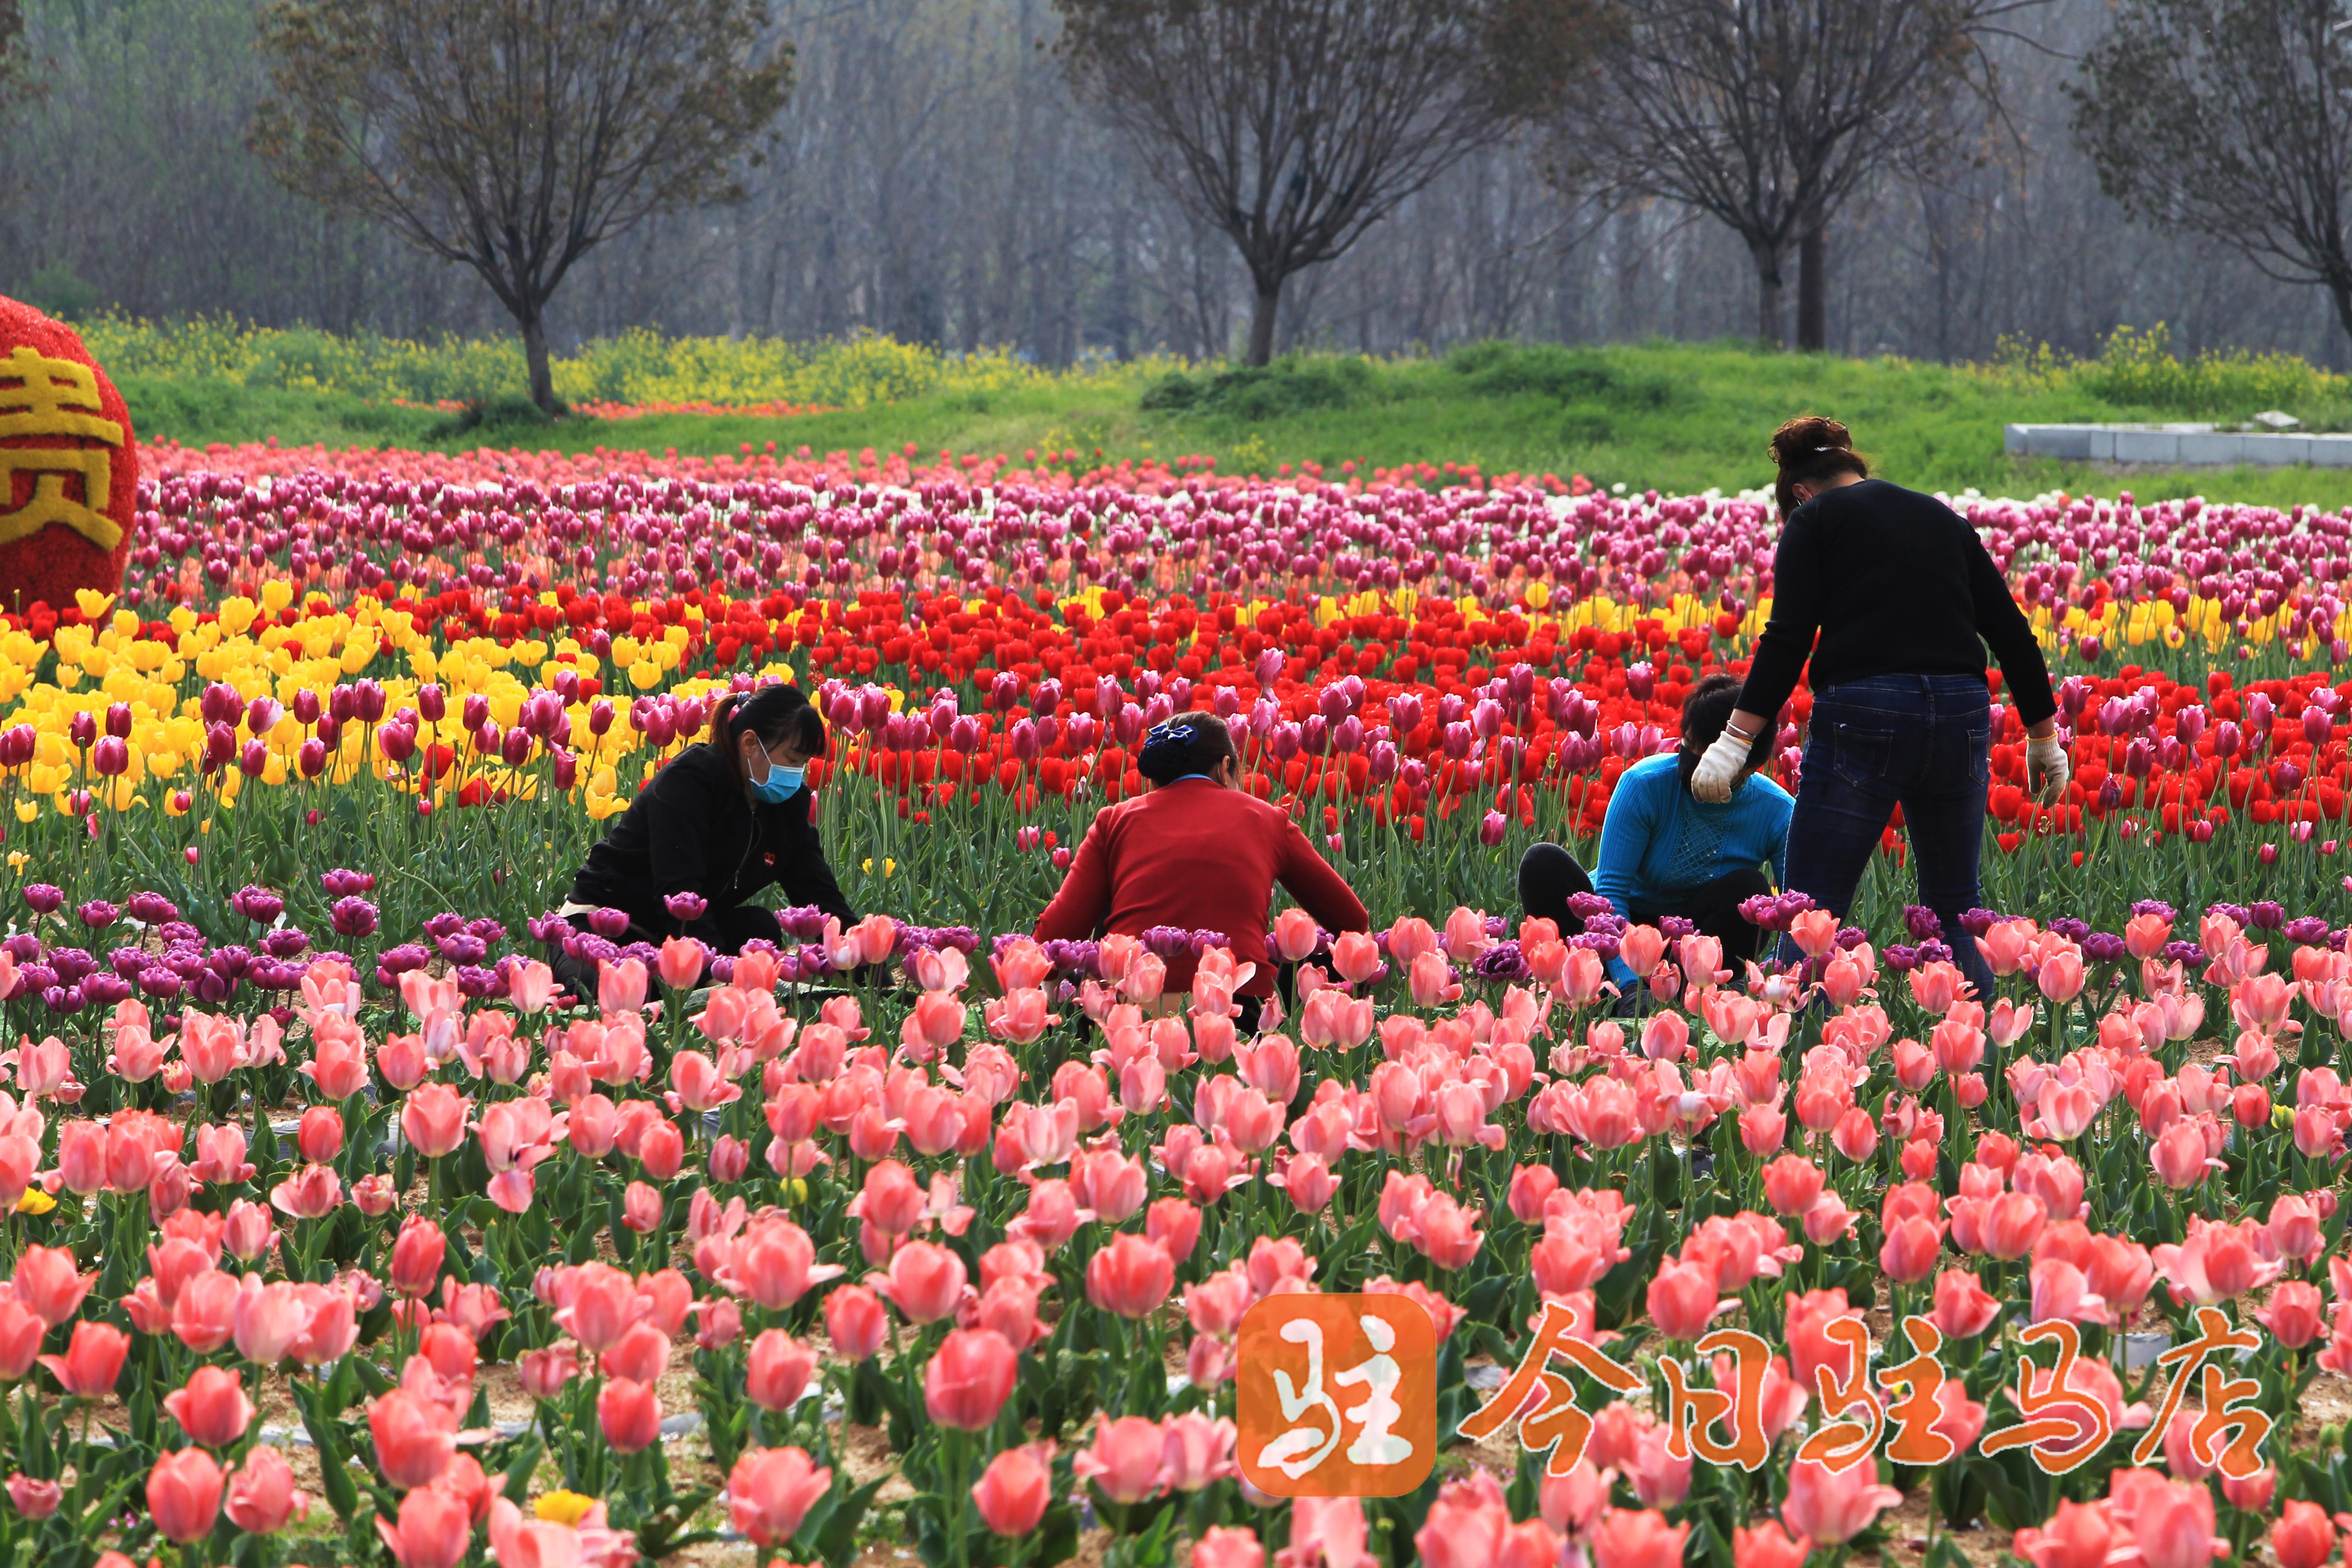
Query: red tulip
{"points": [[2302, 1536]]}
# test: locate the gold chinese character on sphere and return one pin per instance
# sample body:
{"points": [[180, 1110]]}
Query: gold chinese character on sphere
{"points": [[40, 396]]}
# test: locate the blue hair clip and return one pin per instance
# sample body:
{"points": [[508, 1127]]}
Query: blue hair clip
{"points": [[1169, 729]]}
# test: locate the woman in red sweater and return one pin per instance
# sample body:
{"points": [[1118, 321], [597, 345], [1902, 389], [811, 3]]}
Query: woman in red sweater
{"points": [[1194, 851]]}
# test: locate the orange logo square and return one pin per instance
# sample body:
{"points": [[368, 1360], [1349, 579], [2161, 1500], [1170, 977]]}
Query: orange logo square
{"points": [[1337, 1395]]}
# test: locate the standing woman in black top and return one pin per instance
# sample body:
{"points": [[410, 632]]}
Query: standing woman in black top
{"points": [[721, 820], [1904, 600]]}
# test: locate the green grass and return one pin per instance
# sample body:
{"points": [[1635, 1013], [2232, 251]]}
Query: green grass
{"points": [[1670, 416]]}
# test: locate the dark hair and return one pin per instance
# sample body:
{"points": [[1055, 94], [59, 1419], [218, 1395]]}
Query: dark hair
{"points": [[773, 713], [1188, 743], [1809, 449], [1709, 705]]}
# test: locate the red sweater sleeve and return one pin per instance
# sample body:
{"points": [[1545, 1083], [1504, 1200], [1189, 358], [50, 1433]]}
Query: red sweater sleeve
{"points": [[1083, 901], [1320, 891]]}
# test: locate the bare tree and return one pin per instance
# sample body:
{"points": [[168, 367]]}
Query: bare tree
{"points": [[515, 135], [1291, 126], [2230, 119], [1766, 114], [16, 79]]}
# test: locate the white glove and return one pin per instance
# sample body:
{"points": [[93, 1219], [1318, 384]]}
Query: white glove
{"points": [[2046, 768], [1720, 768]]}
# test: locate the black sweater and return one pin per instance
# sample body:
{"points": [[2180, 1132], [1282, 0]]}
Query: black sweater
{"points": [[692, 829], [1896, 582]]}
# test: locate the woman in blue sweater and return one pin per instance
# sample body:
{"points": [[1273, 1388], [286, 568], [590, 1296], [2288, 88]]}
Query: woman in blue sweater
{"points": [[1663, 853]]}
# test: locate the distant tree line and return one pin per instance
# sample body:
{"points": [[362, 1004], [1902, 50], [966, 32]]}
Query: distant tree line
{"points": [[1207, 177]]}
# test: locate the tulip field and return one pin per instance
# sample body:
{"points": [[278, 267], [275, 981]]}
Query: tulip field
{"points": [[333, 1236]]}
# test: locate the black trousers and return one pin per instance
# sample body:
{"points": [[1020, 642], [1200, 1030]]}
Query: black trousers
{"points": [[743, 923], [1549, 875]]}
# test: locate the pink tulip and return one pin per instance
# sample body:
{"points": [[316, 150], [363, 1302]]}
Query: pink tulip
{"points": [[1014, 1491], [1131, 1276], [34, 1498], [1834, 1506], [968, 1379], [414, 1441], [628, 1413], [184, 1491], [1637, 1538], [93, 1360], [261, 1493], [1124, 1460], [433, 1119], [212, 1409], [778, 1371], [434, 1530], [770, 1490]]}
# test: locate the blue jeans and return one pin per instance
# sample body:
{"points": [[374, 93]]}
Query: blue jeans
{"points": [[1920, 741]]}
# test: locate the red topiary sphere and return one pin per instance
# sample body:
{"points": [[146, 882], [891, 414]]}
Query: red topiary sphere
{"points": [[68, 466]]}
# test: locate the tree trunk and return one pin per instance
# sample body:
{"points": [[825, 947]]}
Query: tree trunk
{"points": [[1261, 341], [2339, 287], [1768, 326], [534, 348], [1812, 291]]}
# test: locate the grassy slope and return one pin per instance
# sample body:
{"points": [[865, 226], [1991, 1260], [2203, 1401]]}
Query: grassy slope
{"points": [[1677, 417]]}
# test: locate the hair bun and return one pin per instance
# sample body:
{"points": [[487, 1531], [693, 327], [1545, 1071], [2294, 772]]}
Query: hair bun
{"points": [[1802, 440]]}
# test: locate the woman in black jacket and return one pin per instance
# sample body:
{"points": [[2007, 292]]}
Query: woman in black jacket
{"points": [[1891, 601], [721, 820]]}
